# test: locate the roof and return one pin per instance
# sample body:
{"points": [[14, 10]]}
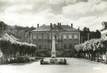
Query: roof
{"points": [[62, 27], [43, 28], [14, 40]]}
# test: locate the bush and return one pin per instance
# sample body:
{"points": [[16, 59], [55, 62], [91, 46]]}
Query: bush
{"points": [[94, 49]]}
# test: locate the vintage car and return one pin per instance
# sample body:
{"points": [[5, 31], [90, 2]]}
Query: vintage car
{"points": [[53, 61]]}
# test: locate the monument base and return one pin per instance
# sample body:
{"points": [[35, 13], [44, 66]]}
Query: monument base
{"points": [[53, 61]]}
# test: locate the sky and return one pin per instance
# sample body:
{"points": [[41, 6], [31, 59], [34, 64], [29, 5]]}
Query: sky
{"points": [[81, 13]]}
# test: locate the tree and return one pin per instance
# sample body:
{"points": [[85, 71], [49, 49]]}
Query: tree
{"points": [[85, 29], [85, 34], [3, 27], [98, 34]]}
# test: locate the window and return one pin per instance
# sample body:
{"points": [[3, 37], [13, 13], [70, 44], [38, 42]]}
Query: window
{"points": [[75, 36], [45, 36], [34, 37], [70, 46], [59, 37], [39, 46], [64, 36], [50, 37], [65, 46], [70, 36], [39, 36]]}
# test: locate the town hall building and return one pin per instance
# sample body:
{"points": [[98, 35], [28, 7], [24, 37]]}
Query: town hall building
{"points": [[65, 36]]}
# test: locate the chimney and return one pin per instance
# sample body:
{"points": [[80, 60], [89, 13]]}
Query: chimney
{"points": [[55, 25], [37, 25], [51, 25], [59, 24], [71, 25], [78, 28]]}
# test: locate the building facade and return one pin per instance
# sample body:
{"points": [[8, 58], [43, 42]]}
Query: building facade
{"points": [[104, 31], [65, 36]]}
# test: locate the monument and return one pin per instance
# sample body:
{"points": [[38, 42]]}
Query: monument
{"points": [[53, 59]]}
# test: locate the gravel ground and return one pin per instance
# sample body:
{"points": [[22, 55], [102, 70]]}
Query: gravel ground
{"points": [[75, 65]]}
